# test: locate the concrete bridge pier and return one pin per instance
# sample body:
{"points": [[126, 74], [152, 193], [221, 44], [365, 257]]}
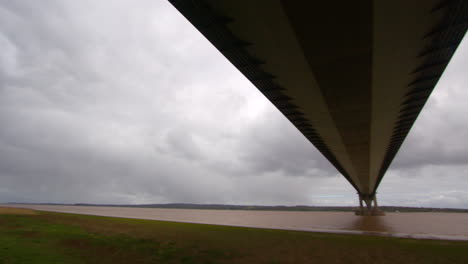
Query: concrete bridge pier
{"points": [[371, 207]]}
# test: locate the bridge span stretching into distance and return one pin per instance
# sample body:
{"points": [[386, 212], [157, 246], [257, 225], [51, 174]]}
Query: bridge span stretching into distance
{"points": [[352, 76]]}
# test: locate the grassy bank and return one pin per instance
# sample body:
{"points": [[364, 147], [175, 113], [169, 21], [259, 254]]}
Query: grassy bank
{"points": [[28, 236]]}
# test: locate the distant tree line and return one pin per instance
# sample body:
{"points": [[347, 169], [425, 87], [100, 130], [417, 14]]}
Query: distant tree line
{"points": [[268, 208], [280, 207]]}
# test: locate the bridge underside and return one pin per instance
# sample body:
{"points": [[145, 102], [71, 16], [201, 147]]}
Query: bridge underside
{"points": [[352, 77]]}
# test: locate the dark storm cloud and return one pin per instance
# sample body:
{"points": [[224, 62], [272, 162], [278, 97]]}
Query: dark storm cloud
{"points": [[124, 102]]}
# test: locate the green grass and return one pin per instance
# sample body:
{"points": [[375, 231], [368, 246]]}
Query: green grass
{"points": [[48, 237]]}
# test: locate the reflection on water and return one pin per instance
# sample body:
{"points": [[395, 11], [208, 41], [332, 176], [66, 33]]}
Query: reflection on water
{"points": [[370, 223], [422, 224]]}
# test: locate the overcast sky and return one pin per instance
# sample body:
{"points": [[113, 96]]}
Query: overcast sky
{"points": [[125, 102]]}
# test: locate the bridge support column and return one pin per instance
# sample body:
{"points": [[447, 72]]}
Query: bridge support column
{"points": [[371, 208]]}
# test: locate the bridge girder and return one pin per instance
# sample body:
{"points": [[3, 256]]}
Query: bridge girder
{"points": [[352, 77]]}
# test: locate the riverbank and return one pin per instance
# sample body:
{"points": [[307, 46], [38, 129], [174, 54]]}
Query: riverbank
{"points": [[48, 237], [426, 225]]}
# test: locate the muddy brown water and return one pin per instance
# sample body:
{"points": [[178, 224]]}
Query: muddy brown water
{"points": [[453, 226]]}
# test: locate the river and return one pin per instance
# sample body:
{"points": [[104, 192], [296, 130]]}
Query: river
{"points": [[450, 226]]}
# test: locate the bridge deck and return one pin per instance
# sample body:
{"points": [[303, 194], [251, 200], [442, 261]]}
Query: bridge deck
{"points": [[352, 78]]}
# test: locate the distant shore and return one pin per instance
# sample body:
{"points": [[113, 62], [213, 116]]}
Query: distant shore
{"points": [[264, 208]]}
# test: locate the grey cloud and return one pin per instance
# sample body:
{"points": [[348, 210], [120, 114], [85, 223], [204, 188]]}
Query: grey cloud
{"points": [[275, 145], [183, 144], [439, 135], [431, 185]]}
